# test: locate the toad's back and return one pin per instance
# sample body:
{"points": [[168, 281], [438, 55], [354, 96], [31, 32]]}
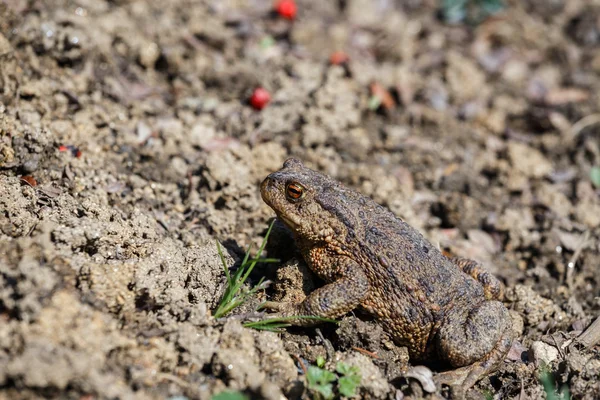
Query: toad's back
{"points": [[412, 282]]}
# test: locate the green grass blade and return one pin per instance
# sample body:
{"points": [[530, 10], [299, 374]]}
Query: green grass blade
{"points": [[259, 286], [260, 250], [226, 309], [266, 260], [283, 322], [247, 255], [229, 293], [224, 262], [233, 297], [259, 325]]}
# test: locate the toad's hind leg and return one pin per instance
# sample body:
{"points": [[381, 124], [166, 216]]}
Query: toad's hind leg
{"points": [[462, 379], [477, 343], [493, 289]]}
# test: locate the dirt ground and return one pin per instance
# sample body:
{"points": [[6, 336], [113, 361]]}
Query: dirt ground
{"points": [[128, 147]]}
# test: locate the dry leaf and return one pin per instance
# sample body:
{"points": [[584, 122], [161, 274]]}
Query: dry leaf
{"points": [[30, 180], [424, 376]]}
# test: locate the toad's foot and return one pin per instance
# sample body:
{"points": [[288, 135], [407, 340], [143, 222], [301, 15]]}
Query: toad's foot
{"points": [[288, 311], [346, 291]]}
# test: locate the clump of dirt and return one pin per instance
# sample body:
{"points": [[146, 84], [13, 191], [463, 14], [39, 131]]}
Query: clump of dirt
{"points": [[128, 148]]}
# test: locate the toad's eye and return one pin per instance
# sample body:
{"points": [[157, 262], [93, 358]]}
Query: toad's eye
{"points": [[294, 191]]}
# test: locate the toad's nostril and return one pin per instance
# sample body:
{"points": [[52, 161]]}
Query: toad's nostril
{"points": [[265, 188]]}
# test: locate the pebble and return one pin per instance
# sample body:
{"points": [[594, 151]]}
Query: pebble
{"points": [[541, 353]]}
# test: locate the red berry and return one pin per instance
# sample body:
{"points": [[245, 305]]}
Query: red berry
{"points": [[338, 57], [260, 98], [286, 8]]}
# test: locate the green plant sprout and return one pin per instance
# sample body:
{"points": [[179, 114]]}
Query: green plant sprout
{"points": [[550, 388], [349, 379], [230, 395], [320, 382], [235, 295], [595, 176], [324, 384], [320, 361]]}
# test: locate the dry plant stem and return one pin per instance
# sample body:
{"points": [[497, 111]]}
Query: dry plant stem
{"points": [[584, 123], [365, 352], [522, 392], [591, 335], [299, 361], [328, 346]]}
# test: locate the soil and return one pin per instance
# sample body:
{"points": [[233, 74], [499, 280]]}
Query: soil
{"points": [[128, 148]]}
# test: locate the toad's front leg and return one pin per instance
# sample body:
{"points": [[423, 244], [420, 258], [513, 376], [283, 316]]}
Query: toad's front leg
{"points": [[348, 288]]}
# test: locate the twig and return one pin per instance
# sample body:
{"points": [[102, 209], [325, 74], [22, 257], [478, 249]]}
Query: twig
{"points": [[328, 346], [591, 335], [299, 361], [162, 223], [522, 392], [558, 348], [366, 352], [584, 123]]}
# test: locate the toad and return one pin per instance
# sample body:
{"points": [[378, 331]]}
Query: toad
{"points": [[442, 309]]}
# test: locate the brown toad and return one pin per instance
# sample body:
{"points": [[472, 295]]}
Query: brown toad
{"points": [[439, 308]]}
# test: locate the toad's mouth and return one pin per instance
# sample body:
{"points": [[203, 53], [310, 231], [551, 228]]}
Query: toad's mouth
{"points": [[291, 224]]}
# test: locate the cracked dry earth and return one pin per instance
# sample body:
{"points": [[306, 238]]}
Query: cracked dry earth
{"points": [[128, 148]]}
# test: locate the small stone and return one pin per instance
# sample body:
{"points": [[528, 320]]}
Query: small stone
{"points": [[149, 54], [542, 354], [588, 213], [373, 384], [529, 161], [555, 200], [515, 71], [5, 46], [516, 351], [202, 134], [465, 79]]}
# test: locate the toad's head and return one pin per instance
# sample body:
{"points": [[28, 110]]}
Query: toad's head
{"points": [[308, 202]]}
